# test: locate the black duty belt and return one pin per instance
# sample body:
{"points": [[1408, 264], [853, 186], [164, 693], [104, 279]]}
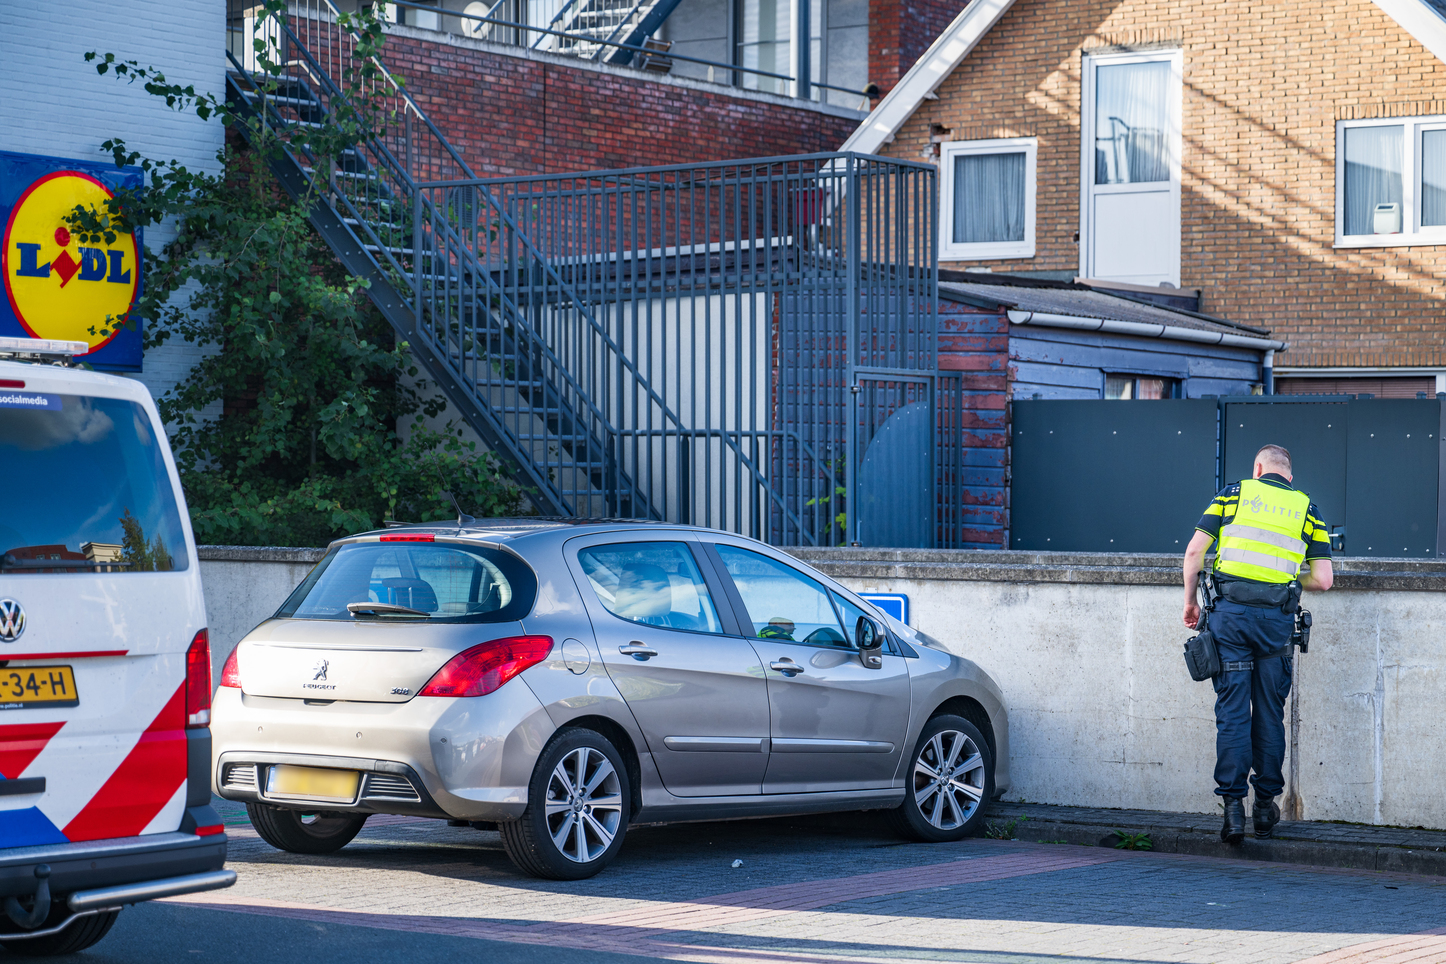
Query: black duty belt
{"points": [[1264, 595]]}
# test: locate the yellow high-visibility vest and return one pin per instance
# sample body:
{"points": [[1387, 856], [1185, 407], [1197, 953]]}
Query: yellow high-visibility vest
{"points": [[1264, 541]]}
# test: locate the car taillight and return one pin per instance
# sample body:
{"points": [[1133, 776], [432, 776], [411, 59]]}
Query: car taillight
{"points": [[486, 666], [198, 681], [231, 673]]}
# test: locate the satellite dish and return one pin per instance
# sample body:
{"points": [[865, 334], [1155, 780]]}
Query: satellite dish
{"points": [[472, 23]]}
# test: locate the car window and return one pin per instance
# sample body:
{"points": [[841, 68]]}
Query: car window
{"points": [[851, 614], [90, 490], [652, 583], [782, 602], [447, 581]]}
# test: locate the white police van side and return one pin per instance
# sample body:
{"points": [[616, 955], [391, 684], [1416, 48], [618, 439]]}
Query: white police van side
{"points": [[105, 669]]}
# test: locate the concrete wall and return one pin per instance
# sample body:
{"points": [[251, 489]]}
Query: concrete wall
{"points": [[1086, 648]]}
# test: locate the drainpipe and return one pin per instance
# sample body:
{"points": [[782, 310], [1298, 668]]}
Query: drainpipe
{"points": [[1267, 372]]}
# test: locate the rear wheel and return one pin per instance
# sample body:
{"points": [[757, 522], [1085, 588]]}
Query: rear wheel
{"points": [[950, 778], [301, 832], [77, 937], [576, 809]]}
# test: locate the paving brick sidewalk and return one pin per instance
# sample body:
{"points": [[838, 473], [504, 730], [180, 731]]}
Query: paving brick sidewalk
{"points": [[820, 890], [1410, 850]]}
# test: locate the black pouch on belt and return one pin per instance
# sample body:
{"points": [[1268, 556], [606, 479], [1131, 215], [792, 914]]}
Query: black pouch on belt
{"points": [[1202, 657], [1248, 592]]}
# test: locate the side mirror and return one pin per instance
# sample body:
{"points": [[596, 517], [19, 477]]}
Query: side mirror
{"points": [[871, 643]]}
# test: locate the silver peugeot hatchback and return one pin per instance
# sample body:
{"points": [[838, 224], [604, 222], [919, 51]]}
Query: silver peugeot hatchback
{"points": [[558, 681]]}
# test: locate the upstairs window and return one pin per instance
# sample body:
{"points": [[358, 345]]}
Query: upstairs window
{"points": [[988, 199], [1391, 182]]}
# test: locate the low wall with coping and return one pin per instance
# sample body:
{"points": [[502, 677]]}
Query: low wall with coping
{"points": [[1086, 647]]}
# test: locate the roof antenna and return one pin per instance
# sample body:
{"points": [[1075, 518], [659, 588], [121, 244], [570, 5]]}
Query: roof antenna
{"points": [[463, 519]]}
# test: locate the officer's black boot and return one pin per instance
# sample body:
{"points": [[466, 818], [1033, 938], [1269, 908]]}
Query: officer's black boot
{"points": [[1266, 815], [1234, 829]]}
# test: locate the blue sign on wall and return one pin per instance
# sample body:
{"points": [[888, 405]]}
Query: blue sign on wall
{"points": [[895, 604], [55, 285]]}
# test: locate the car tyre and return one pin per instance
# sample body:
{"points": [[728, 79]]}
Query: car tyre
{"points": [[577, 809], [77, 937], [949, 781], [301, 832]]}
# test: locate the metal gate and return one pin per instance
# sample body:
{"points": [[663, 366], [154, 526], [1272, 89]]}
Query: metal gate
{"points": [[1134, 476]]}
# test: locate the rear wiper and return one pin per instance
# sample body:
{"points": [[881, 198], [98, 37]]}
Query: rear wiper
{"points": [[383, 609]]}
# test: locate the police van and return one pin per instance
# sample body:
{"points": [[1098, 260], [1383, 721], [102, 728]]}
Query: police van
{"points": [[105, 667]]}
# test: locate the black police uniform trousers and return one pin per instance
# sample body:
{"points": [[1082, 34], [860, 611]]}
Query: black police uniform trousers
{"points": [[1250, 703]]}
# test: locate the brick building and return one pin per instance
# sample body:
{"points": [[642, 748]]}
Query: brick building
{"points": [[1282, 165]]}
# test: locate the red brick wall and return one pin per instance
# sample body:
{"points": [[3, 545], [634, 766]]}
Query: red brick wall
{"points": [[511, 115], [899, 33], [975, 343]]}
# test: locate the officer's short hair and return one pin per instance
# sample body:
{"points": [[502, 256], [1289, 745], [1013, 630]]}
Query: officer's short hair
{"points": [[1274, 455]]}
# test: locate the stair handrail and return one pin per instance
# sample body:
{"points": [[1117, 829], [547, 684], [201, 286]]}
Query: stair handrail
{"points": [[472, 180]]}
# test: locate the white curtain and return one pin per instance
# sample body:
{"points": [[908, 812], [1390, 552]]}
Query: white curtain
{"points": [[1433, 178], [765, 31], [1373, 174], [988, 198], [1132, 123]]}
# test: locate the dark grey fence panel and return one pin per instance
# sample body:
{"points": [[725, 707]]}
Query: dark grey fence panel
{"points": [[1110, 476], [1393, 451], [1113, 476], [1315, 434]]}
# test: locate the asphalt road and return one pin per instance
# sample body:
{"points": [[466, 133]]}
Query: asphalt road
{"points": [[812, 890]]}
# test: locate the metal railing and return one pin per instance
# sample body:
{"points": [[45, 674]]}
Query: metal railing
{"points": [[732, 344], [758, 299], [585, 43]]}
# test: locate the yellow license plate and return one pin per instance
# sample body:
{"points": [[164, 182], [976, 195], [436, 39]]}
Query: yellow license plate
{"points": [[312, 783], [37, 686]]}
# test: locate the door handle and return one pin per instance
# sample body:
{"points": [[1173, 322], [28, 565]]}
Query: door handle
{"points": [[638, 651], [786, 666]]}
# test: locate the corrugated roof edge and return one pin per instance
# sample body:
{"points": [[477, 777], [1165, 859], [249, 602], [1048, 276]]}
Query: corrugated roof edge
{"points": [[987, 278]]}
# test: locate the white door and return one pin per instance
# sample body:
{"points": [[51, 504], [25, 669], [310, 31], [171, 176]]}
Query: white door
{"points": [[1130, 170]]}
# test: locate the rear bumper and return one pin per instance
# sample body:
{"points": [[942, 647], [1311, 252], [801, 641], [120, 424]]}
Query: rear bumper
{"points": [[92, 865]]}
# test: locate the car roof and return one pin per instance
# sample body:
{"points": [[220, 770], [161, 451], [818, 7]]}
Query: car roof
{"points": [[526, 528]]}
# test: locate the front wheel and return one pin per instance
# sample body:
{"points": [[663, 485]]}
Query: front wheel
{"points": [[298, 832], [77, 937], [576, 809], [950, 778]]}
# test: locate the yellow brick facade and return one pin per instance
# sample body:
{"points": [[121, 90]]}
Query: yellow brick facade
{"points": [[1264, 84]]}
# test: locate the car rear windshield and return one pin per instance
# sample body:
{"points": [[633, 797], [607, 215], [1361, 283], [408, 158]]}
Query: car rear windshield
{"points": [[449, 582], [86, 488]]}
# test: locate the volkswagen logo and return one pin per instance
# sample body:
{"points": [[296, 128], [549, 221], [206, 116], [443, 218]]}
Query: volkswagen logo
{"points": [[12, 620]]}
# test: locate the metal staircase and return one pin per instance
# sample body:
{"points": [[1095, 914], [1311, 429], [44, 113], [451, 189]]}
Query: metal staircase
{"points": [[746, 345], [594, 26], [471, 330]]}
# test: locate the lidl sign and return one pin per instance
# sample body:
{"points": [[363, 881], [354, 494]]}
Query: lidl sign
{"points": [[55, 286]]}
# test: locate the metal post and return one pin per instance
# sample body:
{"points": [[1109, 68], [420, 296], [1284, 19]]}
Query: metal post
{"points": [[853, 264], [803, 49], [1267, 372]]}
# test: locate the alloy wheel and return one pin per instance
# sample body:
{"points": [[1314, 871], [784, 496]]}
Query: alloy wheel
{"points": [[584, 804], [949, 779]]}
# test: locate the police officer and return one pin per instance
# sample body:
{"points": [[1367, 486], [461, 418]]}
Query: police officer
{"points": [[1271, 538]]}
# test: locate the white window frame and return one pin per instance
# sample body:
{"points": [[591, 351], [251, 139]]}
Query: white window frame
{"points": [[985, 250], [1412, 233], [1175, 57]]}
